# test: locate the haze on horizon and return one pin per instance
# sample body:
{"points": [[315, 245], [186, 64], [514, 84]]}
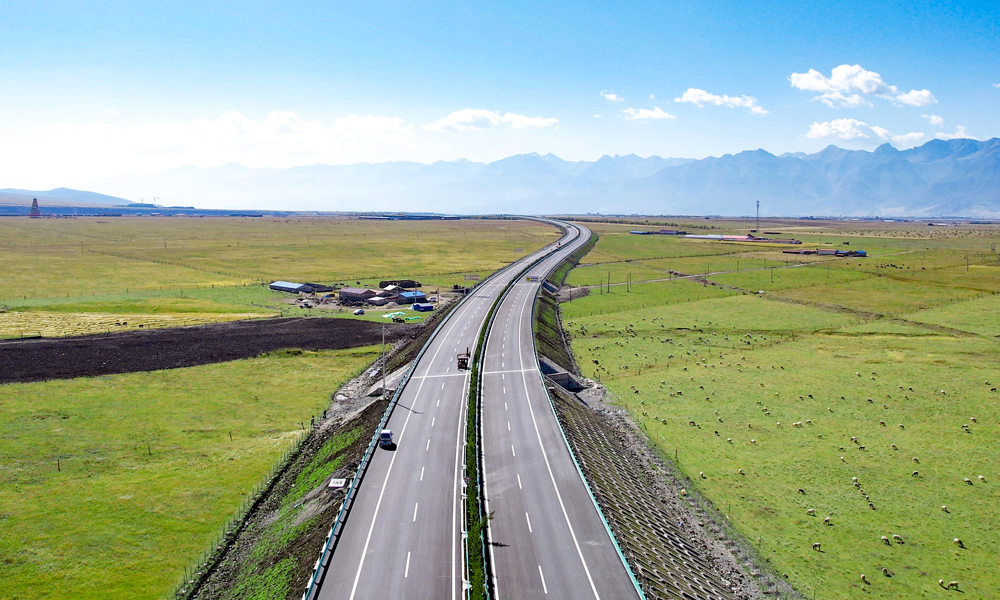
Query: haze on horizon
{"points": [[94, 91]]}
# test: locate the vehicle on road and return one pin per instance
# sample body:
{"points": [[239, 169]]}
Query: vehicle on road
{"points": [[463, 359], [360, 311], [385, 438]]}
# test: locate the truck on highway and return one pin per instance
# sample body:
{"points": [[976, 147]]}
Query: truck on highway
{"points": [[463, 359]]}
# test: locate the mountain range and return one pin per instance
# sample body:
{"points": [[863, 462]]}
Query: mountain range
{"points": [[940, 178]]}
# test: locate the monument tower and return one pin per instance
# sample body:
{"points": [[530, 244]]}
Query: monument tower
{"points": [[35, 213]]}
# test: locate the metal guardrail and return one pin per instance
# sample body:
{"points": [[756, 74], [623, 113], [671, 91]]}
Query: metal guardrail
{"points": [[579, 470], [334, 534]]}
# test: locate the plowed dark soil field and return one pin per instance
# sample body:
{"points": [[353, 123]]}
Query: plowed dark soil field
{"points": [[152, 350]]}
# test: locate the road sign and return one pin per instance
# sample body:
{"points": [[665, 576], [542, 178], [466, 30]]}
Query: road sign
{"points": [[472, 277]]}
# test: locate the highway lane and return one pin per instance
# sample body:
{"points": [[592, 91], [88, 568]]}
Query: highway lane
{"points": [[546, 537], [402, 538]]}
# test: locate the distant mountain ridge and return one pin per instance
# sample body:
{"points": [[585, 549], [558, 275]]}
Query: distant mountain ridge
{"points": [[940, 178], [59, 196]]}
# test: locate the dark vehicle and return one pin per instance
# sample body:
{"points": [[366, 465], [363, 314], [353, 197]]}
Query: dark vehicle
{"points": [[463, 359]]}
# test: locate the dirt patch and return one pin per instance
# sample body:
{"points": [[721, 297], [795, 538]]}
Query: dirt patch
{"points": [[134, 351]]}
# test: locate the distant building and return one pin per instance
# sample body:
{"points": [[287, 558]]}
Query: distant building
{"points": [[291, 288], [404, 283], [35, 212], [350, 295], [411, 297]]}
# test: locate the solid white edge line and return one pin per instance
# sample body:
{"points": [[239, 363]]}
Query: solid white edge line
{"points": [[406, 573], [545, 588]]}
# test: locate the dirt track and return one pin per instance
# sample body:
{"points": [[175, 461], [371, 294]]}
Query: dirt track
{"points": [[129, 352]]}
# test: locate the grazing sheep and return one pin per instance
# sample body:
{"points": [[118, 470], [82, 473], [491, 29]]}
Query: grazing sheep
{"points": [[882, 423], [861, 447], [842, 459], [854, 479], [967, 480], [741, 472], [730, 440], [944, 507], [885, 407], [802, 491], [973, 419], [893, 446], [829, 409], [916, 473], [886, 572], [958, 543], [982, 479], [915, 459], [952, 585], [827, 521], [886, 541], [702, 474], [863, 580], [854, 439], [811, 512], [901, 426], [816, 547], [809, 422], [897, 539]]}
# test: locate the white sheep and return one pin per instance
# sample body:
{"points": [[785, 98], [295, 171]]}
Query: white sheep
{"points": [[897, 539], [982, 479], [894, 446], [944, 507], [886, 541], [811, 512], [967, 480], [816, 547], [958, 543], [863, 580]]}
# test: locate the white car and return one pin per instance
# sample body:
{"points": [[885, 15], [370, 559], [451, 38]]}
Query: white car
{"points": [[359, 311]]}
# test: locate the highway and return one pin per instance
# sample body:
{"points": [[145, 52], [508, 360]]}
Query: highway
{"points": [[547, 539], [403, 535]]}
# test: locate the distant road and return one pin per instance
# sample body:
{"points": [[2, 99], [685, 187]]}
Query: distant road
{"points": [[402, 538], [547, 538]]}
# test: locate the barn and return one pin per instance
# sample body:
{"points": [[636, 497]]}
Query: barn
{"points": [[291, 288]]}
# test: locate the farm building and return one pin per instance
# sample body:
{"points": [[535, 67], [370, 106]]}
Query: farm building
{"points": [[417, 306], [403, 283], [411, 297], [291, 288], [351, 295]]}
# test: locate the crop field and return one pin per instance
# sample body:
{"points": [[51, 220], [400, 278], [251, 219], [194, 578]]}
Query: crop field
{"points": [[111, 486], [213, 269], [875, 372]]}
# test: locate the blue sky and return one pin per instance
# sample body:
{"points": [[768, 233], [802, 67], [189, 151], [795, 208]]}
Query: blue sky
{"points": [[94, 89]]}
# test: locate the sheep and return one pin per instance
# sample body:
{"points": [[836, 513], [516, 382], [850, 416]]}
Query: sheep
{"points": [[901, 426], [752, 441], [861, 447], [870, 401], [863, 580], [952, 585], [741, 472], [802, 491], [842, 459], [916, 473], [854, 439], [829, 409], [816, 547], [982, 479], [973, 419], [730, 440], [958, 543], [811, 512], [809, 422], [944, 507], [967, 480], [827, 521], [897, 539], [702, 474], [894, 446], [886, 541], [915, 459], [882, 423], [885, 407]]}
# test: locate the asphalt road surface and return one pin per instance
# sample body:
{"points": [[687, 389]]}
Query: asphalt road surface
{"points": [[402, 538], [546, 537]]}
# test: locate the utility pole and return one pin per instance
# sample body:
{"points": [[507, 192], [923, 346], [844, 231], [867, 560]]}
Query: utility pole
{"points": [[758, 218], [383, 362]]}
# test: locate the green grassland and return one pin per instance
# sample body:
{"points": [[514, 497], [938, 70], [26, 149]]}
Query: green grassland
{"points": [[110, 486], [777, 384], [215, 268]]}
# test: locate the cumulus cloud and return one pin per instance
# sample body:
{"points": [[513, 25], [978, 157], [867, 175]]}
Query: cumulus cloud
{"points": [[996, 85], [111, 112], [613, 97], [476, 118], [701, 98], [934, 119], [853, 129], [960, 133], [645, 114], [850, 85]]}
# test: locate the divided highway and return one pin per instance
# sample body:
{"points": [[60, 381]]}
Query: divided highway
{"points": [[547, 539], [403, 535]]}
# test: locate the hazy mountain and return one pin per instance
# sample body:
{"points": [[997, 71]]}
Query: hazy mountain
{"points": [[59, 197], [940, 178]]}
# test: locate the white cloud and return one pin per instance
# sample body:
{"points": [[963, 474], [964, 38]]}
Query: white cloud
{"points": [[848, 85], [960, 133], [701, 98], [282, 139], [916, 98], [644, 114], [652, 97], [934, 119], [111, 112], [996, 85], [474, 119], [597, 116], [853, 129], [613, 97]]}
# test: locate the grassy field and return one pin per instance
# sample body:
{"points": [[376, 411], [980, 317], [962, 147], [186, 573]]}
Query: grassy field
{"points": [[763, 393], [213, 268], [111, 486]]}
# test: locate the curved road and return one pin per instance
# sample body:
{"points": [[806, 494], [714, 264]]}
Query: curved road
{"points": [[402, 538], [547, 539]]}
